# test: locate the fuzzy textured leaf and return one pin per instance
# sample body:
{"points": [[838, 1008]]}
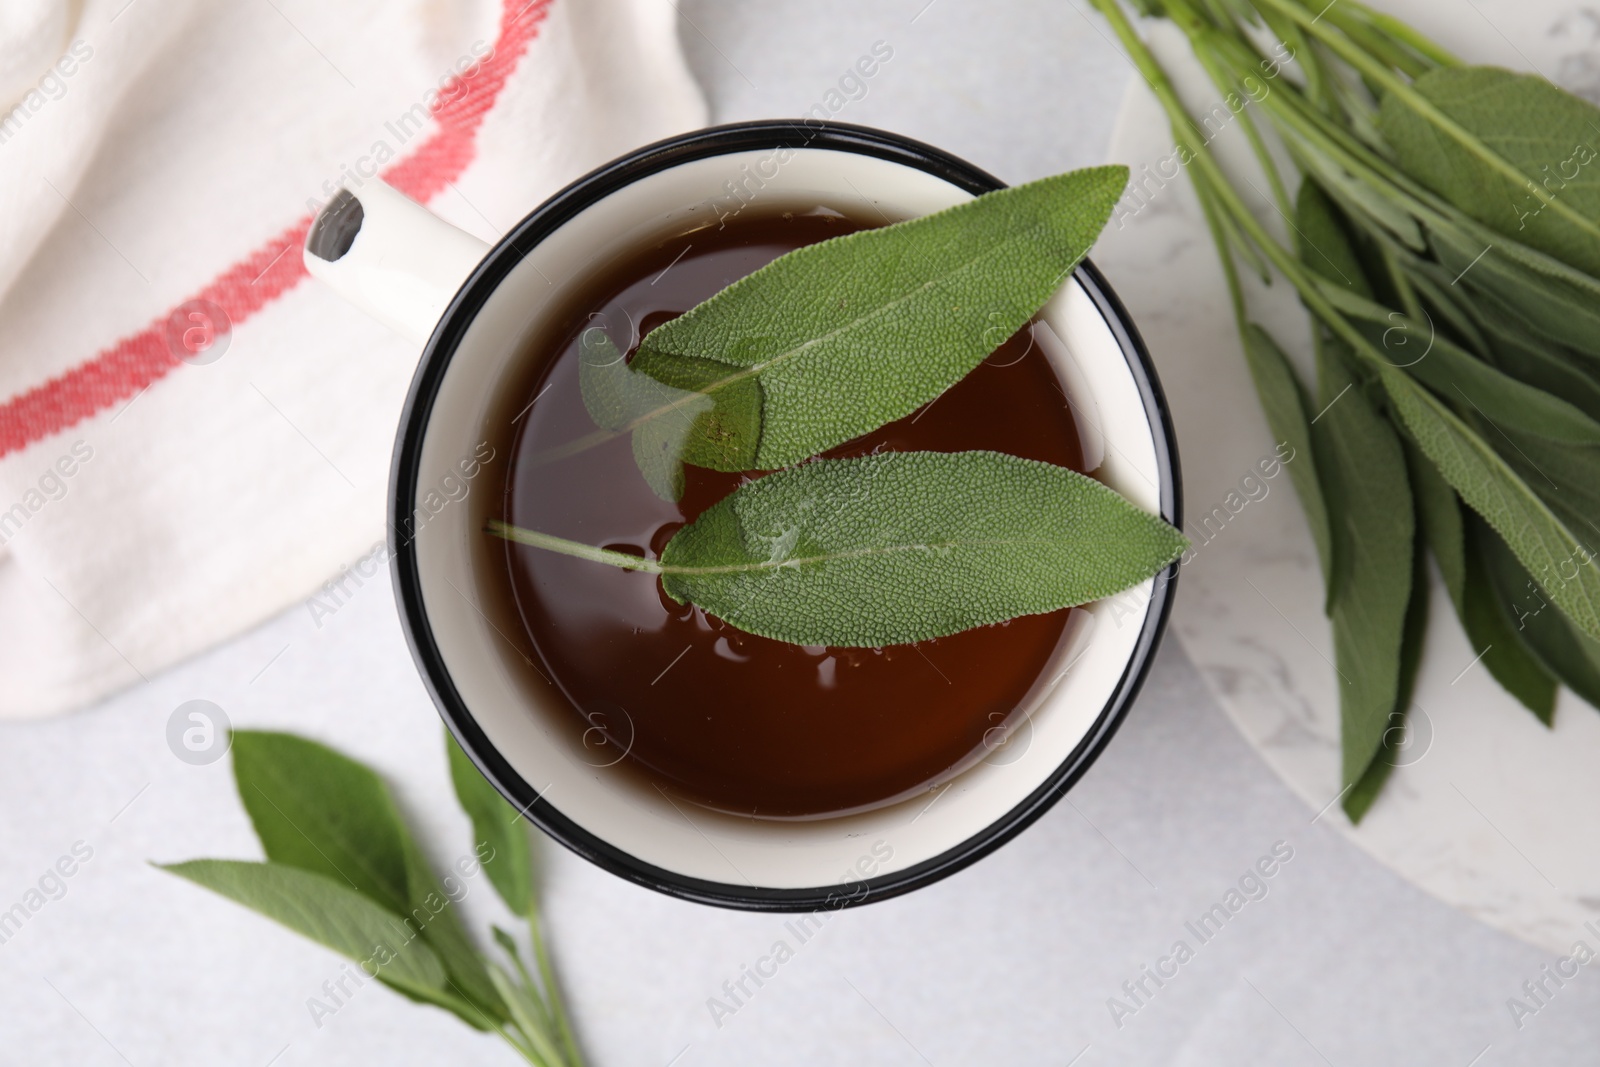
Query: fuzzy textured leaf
{"points": [[1567, 478], [1486, 482], [328, 912], [1372, 519], [903, 547], [838, 338], [1284, 403], [496, 824], [320, 811], [1544, 632], [1508, 651], [1530, 132], [1464, 379], [1499, 649], [662, 419]]}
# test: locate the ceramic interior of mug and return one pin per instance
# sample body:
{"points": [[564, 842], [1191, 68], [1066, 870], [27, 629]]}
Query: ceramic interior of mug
{"points": [[619, 819]]}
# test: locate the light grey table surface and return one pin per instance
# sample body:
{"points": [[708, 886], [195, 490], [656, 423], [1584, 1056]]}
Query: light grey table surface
{"points": [[1009, 962]]}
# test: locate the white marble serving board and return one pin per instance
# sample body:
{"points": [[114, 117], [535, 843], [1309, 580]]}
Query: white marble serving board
{"points": [[1489, 810]]}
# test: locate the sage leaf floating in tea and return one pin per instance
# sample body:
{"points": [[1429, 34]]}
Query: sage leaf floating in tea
{"points": [[660, 418], [838, 338], [900, 547]]}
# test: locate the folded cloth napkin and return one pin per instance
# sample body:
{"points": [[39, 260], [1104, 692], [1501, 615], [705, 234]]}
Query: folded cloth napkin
{"points": [[193, 436]]}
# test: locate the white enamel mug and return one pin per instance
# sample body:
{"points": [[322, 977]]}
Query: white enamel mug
{"points": [[475, 309]]}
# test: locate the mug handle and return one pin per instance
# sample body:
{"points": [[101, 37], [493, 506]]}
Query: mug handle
{"points": [[391, 257]]}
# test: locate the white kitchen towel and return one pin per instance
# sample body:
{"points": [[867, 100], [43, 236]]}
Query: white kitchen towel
{"points": [[160, 163]]}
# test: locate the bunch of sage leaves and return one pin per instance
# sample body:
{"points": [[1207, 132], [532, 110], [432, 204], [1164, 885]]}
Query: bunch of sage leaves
{"points": [[832, 341], [1447, 246], [344, 870]]}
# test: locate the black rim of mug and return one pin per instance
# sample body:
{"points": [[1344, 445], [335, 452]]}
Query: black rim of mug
{"points": [[441, 347]]}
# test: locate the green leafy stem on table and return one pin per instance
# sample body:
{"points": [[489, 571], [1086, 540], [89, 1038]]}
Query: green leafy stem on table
{"points": [[344, 870], [1446, 242], [832, 341]]}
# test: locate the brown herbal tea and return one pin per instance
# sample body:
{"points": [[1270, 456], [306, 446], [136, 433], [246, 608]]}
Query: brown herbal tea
{"points": [[735, 722]]}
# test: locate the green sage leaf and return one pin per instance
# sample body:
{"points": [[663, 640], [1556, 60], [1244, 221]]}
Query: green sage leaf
{"points": [[1499, 649], [497, 826], [1356, 193], [1545, 632], [1325, 248], [1546, 364], [1439, 517], [320, 811], [838, 338], [1523, 133], [1508, 653], [1284, 402], [1397, 735], [1372, 519], [1489, 484], [903, 547], [1545, 297], [1462, 378], [439, 920], [1504, 319], [662, 419], [326, 910], [1566, 477], [1417, 346]]}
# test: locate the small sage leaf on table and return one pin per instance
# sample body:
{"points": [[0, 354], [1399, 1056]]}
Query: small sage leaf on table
{"points": [[496, 826], [900, 547], [326, 910], [535, 1006], [836, 339], [321, 811], [344, 870]]}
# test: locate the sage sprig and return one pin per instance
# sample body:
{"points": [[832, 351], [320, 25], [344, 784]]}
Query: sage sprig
{"points": [[343, 869], [1448, 237], [900, 547]]}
